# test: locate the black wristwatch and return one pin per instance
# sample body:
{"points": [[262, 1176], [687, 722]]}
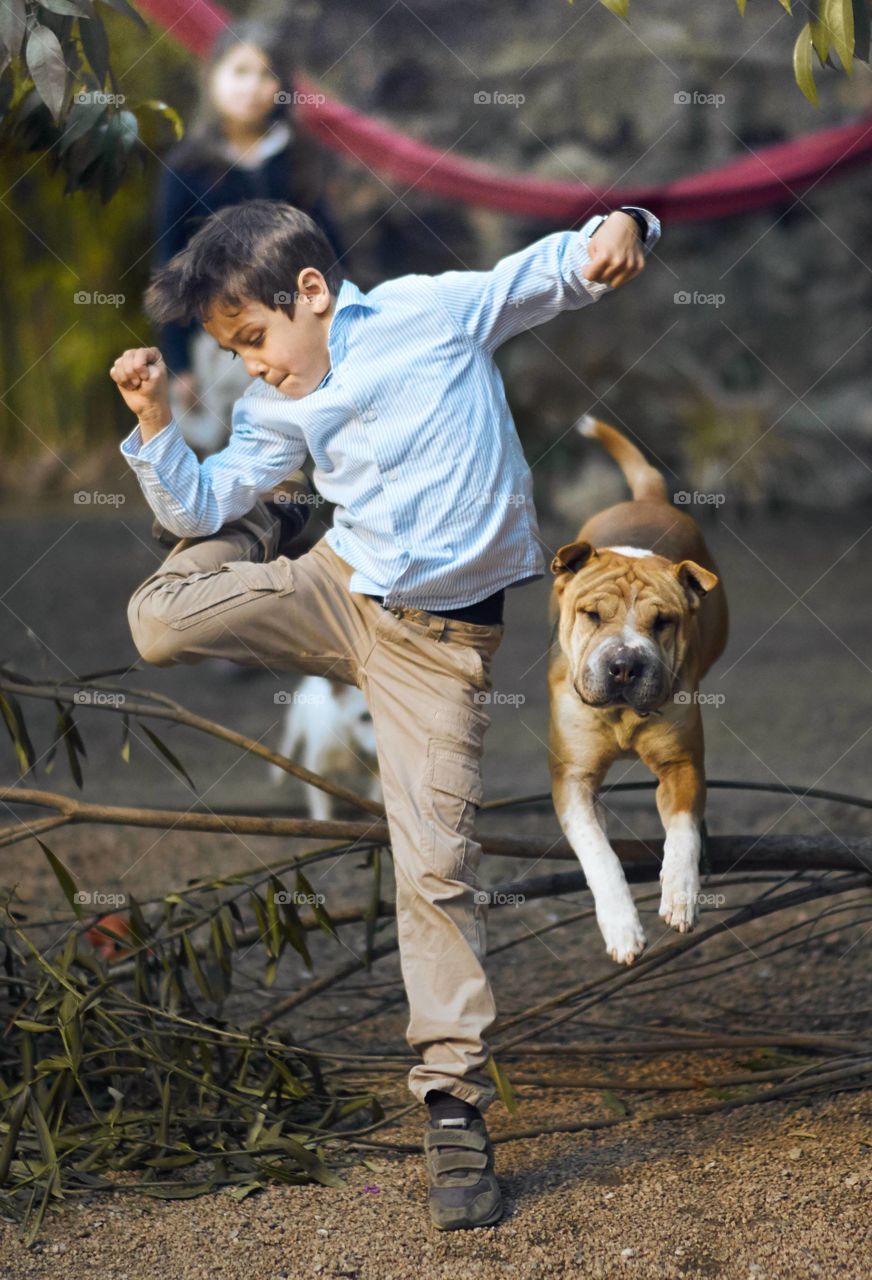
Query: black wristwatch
{"points": [[640, 220]]}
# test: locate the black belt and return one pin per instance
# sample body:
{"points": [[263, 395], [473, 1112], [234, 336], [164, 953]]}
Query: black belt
{"points": [[484, 612]]}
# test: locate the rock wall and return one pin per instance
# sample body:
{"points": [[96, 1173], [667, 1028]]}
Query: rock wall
{"points": [[763, 393]]}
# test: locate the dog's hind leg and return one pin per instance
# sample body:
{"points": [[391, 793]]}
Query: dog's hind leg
{"points": [[576, 805]]}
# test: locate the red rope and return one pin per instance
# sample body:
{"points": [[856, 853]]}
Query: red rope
{"points": [[772, 175]]}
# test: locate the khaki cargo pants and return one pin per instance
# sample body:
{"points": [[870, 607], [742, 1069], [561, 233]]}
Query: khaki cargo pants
{"points": [[424, 678]]}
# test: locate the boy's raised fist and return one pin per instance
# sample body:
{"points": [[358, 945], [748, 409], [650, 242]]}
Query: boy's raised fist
{"points": [[141, 377]]}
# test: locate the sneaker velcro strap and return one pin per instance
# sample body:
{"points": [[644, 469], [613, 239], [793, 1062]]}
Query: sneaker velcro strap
{"points": [[455, 1138], [448, 1161]]}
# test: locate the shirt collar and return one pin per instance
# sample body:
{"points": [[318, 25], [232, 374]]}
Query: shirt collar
{"points": [[348, 298]]}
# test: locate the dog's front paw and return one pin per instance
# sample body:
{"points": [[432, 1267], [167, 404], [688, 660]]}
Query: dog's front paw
{"points": [[624, 936], [678, 901]]}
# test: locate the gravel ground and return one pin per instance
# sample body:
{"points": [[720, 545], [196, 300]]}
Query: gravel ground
{"points": [[773, 1190]]}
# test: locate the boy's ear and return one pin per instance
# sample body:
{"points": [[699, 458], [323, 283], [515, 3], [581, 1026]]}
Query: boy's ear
{"points": [[571, 557]]}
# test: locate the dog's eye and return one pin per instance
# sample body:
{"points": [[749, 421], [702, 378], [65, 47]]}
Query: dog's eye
{"points": [[592, 615], [661, 622]]}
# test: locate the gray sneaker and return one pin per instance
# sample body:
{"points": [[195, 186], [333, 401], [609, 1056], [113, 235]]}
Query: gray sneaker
{"points": [[464, 1191]]}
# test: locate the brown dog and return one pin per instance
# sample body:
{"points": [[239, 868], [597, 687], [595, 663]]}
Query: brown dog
{"points": [[639, 616]]}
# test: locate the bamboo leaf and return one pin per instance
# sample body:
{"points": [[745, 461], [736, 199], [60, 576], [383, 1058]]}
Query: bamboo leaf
{"points": [[167, 754], [12, 25], [16, 1116], [613, 1102], [802, 51], [15, 723], [501, 1080], [64, 879], [125, 738], [318, 909], [194, 966], [838, 15]]}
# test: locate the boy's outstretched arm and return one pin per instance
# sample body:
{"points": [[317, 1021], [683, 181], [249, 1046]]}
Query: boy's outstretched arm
{"points": [[190, 498], [561, 272]]}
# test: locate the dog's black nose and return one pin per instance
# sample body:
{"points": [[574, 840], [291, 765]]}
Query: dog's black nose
{"points": [[624, 668]]}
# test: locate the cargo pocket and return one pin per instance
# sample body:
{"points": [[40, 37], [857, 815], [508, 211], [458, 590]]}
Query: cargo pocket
{"points": [[201, 596], [452, 796]]}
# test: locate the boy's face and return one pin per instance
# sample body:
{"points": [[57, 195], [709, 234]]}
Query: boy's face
{"points": [[291, 355]]}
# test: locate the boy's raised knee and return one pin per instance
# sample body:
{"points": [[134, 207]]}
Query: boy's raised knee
{"points": [[156, 642]]}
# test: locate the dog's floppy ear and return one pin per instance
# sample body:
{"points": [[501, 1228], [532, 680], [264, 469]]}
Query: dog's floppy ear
{"points": [[571, 557], [696, 581]]}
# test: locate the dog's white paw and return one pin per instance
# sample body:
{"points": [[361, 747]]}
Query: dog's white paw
{"points": [[678, 901], [624, 936]]}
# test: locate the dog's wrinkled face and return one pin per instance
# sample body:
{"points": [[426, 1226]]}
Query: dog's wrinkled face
{"points": [[625, 623]]}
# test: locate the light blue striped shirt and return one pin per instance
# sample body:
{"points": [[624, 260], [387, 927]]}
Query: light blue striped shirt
{"points": [[410, 432]]}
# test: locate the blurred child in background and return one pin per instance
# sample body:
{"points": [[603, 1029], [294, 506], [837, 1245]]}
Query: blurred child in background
{"points": [[242, 144]]}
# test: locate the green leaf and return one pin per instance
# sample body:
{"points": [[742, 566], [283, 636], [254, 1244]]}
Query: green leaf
{"points": [[65, 880], [167, 754], [802, 51], [839, 17], [501, 1080], [617, 7], [318, 909], [16, 1117], [194, 966], [14, 720], [125, 738], [740, 4]]}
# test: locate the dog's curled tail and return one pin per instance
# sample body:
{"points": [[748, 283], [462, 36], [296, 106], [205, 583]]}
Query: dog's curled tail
{"points": [[645, 481]]}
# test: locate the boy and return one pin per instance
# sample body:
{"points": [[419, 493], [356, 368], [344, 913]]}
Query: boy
{"points": [[396, 396]]}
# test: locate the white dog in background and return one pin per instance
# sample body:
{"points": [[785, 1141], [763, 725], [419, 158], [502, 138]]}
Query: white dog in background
{"points": [[328, 729]]}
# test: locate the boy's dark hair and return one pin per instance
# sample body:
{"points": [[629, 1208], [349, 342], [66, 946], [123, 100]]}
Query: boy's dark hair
{"points": [[249, 252]]}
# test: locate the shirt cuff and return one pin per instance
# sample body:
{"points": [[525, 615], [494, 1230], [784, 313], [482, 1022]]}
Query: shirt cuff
{"points": [[155, 450]]}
